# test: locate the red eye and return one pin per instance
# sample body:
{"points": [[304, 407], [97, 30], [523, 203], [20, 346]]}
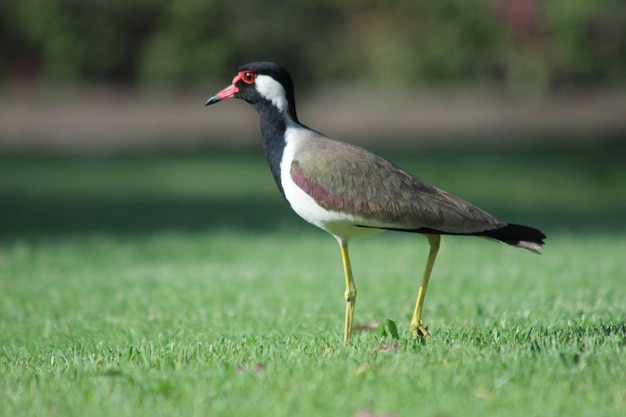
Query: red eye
{"points": [[247, 77]]}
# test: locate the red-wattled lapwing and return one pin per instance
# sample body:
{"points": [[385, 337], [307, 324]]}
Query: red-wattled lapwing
{"points": [[349, 191]]}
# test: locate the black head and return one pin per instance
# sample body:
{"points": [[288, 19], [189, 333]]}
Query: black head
{"points": [[261, 84]]}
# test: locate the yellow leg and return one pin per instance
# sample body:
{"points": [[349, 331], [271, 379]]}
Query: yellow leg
{"points": [[416, 322], [350, 294]]}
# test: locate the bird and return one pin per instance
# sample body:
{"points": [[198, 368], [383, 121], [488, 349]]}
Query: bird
{"points": [[350, 192]]}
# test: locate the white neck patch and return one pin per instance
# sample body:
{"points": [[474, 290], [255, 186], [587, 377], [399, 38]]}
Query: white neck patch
{"points": [[272, 90]]}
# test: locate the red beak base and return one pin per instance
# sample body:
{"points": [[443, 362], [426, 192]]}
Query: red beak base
{"points": [[228, 92]]}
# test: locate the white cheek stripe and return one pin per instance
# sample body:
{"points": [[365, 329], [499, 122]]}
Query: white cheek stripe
{"points": [[272, 90]]}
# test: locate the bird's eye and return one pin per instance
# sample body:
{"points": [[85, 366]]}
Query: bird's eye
{"points": [[248, 77]]}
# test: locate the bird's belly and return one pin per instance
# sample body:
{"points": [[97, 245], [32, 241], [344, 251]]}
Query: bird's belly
{"points": [[347, 230]]}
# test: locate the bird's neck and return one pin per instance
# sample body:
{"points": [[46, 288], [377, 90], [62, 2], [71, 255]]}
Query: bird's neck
{"points": [[274, 124]]}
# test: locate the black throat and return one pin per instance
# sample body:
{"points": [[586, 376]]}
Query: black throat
{"points": [[273, 128]]}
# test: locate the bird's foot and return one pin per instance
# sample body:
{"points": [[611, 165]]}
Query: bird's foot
{"points": [[420, 331]]}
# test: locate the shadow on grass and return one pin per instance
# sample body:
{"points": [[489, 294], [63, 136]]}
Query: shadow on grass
{"points": [[31, 217], [24, 216], [578, 189]]}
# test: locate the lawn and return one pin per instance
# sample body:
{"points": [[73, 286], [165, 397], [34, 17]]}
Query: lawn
{"points": [[181, 284]]}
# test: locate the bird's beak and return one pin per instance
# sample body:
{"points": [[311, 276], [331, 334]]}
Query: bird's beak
{"points": [[228, 92]]}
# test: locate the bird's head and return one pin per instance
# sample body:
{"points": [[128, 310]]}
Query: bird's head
{"points": [[261, 84]]}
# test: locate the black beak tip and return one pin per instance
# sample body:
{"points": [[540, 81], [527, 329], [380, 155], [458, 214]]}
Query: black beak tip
{"points": [[212, 100]]}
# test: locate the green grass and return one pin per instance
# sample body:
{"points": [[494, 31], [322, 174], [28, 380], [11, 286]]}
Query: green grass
{"points": [[175, 285]]}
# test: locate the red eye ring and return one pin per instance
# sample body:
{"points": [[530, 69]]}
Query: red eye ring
{"points": [[247, 77]]}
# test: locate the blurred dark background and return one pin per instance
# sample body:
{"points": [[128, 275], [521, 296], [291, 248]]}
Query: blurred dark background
{"points": [[113, 73], [453, 90]]}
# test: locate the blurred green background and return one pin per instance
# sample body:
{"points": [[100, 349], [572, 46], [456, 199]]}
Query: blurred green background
{"points": [[102, 117], [544, 45]]}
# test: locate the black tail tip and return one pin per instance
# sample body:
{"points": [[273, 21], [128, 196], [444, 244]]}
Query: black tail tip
{"points": [[524, 237]]}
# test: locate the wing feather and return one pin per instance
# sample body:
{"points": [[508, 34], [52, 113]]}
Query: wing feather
{"points": [[348, 179]]}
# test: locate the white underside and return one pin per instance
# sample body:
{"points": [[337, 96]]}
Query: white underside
{"points": [[340, 225]]}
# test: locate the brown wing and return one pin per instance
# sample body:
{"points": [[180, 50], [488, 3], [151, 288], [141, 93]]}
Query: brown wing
{"points": [[349, 179]]}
